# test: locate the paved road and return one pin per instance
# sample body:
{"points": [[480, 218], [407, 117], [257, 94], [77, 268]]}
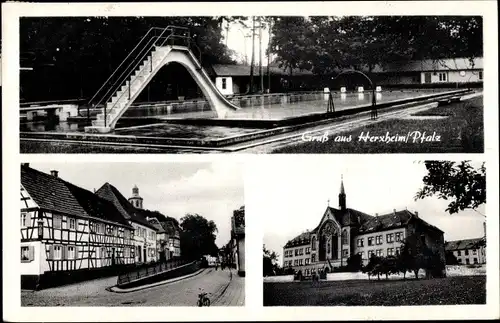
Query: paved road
{"points": [[223, 287]]}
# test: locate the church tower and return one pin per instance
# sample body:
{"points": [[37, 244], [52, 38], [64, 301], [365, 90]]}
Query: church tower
{"points": [[342, 203], [135, 200]]}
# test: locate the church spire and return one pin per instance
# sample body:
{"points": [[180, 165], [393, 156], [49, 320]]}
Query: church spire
{"points": [[342, 196]]}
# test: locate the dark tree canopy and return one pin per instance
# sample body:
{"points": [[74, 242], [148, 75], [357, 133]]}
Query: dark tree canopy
{"points": [[460, 183], [269, 262], [80, 53], [197, 237], [323, 44]]}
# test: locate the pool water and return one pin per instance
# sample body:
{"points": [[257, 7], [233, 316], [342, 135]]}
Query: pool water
{"points": [[316, 103]]}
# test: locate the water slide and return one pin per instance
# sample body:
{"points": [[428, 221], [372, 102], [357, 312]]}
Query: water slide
{"points": [[159, 57]]}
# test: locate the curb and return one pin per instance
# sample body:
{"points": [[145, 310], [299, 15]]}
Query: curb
{"points": [[115, 289]]}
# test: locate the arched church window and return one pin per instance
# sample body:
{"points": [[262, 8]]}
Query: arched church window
{"points": [[328, 248], [313, 247], [345, 237]]}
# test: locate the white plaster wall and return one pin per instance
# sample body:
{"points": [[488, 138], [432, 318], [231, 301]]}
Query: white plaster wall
{"points": [[35, 267], [229, 85], [375, 246]]}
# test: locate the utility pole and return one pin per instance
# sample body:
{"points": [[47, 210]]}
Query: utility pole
{"points": [[268, 56], [253, 55], [260, 56]]}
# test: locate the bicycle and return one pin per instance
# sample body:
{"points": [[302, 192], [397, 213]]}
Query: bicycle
{"points": [[203, 299]]}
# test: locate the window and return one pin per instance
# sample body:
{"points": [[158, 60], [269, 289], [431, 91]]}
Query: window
{"points": [[360, 242], [57, 252], [295, 262], [480, 75], [300, 262], [344, 237], [71, 252], [467, 261], [398, 250], [370, 253], [378, 240], [72, 224], [379, 253], [370, 241], [475, 260], [104, 252], [57, 219], [307, 261], [115, 231], [399, 236], [460, 260], [442, 77], [345, 252], [328, 248], [301, 252], [390, 237], [224, 83], [313, 257], [390, 251], [24, 220], [307, 272], [466, 252], [308, 250], [27, 253], [474, 252], [314, 243], [459, 253], [296, 252]]}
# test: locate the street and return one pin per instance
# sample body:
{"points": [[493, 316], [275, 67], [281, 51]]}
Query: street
{"points": [[224, 288]]}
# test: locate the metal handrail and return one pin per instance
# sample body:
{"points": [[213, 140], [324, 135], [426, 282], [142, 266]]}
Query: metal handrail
{"points": [[169, 27], [171, 36], [114, 72]]}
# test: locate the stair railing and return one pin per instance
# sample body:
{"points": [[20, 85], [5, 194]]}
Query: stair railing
{"points": [[140, 55], [172, 35], [121, 64]]}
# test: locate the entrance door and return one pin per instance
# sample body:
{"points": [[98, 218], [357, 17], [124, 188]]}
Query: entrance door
{"points": [[113, 260], [139, 254], [144, 252], [427, 78]]}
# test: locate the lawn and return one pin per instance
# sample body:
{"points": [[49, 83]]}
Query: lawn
{"points": [[439, 291], [461, 131]]}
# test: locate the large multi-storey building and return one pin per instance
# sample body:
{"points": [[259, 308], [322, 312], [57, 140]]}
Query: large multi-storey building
{"points": [[144, 237], [168, 235], [67, 231], [238, 239], [344, 232], [468, 251]]}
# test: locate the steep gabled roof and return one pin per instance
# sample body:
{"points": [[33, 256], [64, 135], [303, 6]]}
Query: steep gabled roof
{"points": [[391, 221], [56, 194], [112, 194], [464, 244], [169, 225]]}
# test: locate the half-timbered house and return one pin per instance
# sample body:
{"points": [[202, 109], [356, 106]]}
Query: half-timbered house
{"points": [[168, 234], [68, 233], [144, 238]]}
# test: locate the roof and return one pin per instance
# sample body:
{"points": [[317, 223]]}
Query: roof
{"points": [[244, 70], [435, 65], [168, 224], [392, 220], [464, 244], [53, 193], [128, 211]]}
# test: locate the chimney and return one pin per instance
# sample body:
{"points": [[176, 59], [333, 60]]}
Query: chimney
{"points": [[394, 211], [416, 214], [25, 164], [54, 173]]}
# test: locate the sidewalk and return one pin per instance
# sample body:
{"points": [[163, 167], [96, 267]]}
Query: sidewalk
{"points": [[234, 295]]}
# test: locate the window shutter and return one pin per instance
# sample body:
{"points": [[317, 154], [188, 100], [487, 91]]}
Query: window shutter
{"points": [[31, 253], [51, 252], [28, 219]]}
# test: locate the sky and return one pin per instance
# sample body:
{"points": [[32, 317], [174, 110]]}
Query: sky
{"points": [[240, 40], [213, 190], [372, 185]]}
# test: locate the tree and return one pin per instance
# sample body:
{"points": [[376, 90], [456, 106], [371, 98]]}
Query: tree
{"points": [[269, 262], [355, 262], [460, 182], [197, 237], [451, 259], [372, 268]]}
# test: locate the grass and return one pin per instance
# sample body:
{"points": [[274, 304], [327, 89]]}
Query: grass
{"points": [[461, 132], [440, 291]]}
